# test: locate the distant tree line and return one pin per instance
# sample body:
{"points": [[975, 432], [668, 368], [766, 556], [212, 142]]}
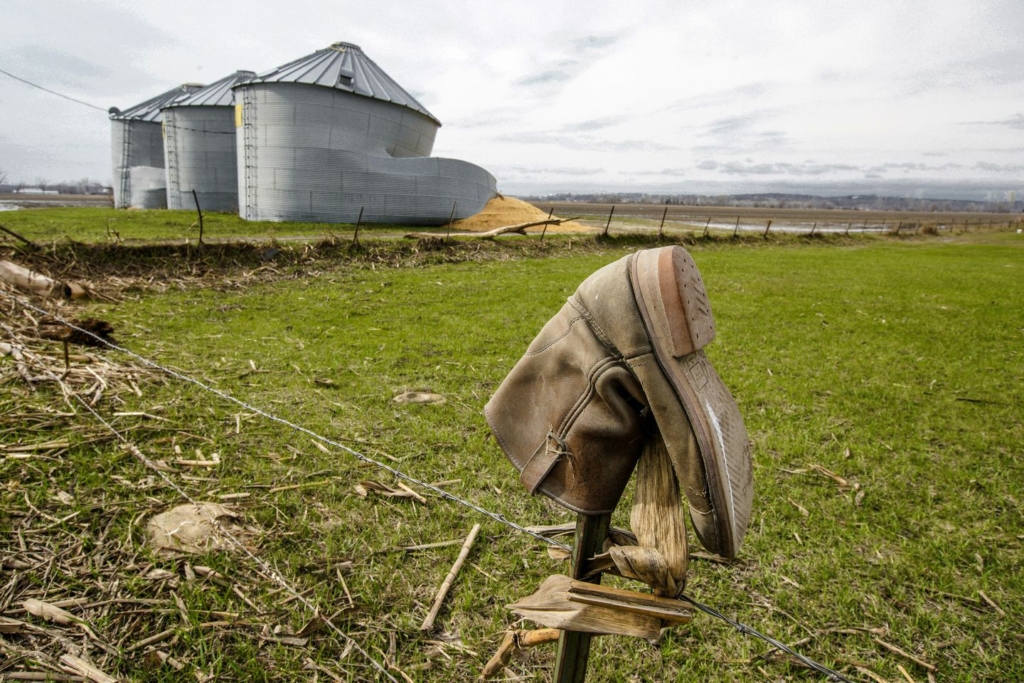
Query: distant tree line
{"points": [[83, 186]]}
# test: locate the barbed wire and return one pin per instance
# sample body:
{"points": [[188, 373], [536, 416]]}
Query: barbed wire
{"points": [[748, 630], [268, 571], [738, 625], [299, 428]]}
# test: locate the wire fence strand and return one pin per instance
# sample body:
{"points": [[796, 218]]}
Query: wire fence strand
{"points": [[739, 626]]}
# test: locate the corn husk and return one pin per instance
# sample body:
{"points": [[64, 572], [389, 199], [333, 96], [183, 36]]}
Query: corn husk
{"points": [[658, 520], [562, 603]]}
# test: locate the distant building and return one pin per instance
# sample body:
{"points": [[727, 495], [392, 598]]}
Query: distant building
{"points": [[199, 147], [331, 136], [137, 146]]}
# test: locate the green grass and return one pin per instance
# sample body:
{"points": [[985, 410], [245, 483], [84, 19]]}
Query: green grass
{"points": [[897, 365], [100, 225]]}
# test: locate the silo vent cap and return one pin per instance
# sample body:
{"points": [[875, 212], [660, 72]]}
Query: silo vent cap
{"points": [[342, 46]]}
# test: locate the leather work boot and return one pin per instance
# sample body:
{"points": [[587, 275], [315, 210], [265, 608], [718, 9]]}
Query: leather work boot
{"points": [[574, 412]]}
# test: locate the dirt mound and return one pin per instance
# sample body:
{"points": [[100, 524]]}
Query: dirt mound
{"points": [[502, 211]]}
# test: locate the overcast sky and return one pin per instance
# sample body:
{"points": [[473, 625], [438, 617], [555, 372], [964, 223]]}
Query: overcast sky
{"points": [[575, 96]]}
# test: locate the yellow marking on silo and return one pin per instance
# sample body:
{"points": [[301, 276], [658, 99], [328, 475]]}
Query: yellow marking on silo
{"points": [[238, 116]]}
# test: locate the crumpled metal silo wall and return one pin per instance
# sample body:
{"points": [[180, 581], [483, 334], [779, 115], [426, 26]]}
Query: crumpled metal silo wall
{"points": [[138, 156], [312, 153], [199, 143]]}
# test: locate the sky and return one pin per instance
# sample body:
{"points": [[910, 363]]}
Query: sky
{"points": [[903, 97]]}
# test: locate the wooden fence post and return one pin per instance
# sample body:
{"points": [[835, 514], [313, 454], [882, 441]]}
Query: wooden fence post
{"points": [[661, 229], [609, 223]]}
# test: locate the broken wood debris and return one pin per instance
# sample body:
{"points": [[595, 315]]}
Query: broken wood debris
{"points": [[513, 641], [364, 488], [36, 283], [518, 228], [428, 622], [567, 604]]}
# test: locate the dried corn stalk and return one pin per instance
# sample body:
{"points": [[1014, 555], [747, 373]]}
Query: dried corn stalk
{"points": [[657, 519]]}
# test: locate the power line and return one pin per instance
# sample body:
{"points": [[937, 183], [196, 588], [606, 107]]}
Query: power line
{"points": [[52, 92]]}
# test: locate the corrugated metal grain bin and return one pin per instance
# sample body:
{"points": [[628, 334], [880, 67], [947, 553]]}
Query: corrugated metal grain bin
{"points": [[137, 147], [330, 134], [199, 147]]}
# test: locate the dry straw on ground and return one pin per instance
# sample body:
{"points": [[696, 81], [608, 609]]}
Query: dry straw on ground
{"points": [[502, 211]]}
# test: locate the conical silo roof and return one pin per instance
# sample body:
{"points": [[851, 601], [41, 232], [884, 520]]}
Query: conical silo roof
{"points": [[217, 94], [344, 66], [150, 109]]}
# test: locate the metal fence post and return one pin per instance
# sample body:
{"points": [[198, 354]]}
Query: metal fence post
{"points": [[545, 230], [448, 234], [355, 237], [573, 646]]}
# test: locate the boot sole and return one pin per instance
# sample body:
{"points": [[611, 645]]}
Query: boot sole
{"points": [[674, 307]]}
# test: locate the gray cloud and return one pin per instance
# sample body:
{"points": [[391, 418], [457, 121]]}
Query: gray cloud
{"points": [[740, 134], [567, 140], [731, 124], [498, 118], [551, 76], [1001, 68], [1015, 122], [777, 168], [596, 124], [593, 43], [39, 63], [909, 166], [673, 172], [998, 168], [721, 98], [92, 46], [552, 170], [562, 68]]}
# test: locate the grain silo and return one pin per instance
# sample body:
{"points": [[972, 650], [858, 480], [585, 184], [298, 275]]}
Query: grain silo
{"points": [[330, 134], [137, 146], [199, 147]]}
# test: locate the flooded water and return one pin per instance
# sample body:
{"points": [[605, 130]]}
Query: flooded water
{"points": [[4, 206]]}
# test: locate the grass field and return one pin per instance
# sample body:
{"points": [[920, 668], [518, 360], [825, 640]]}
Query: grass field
{"points": [[108, 225], [113, 226], [897, 365]]}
